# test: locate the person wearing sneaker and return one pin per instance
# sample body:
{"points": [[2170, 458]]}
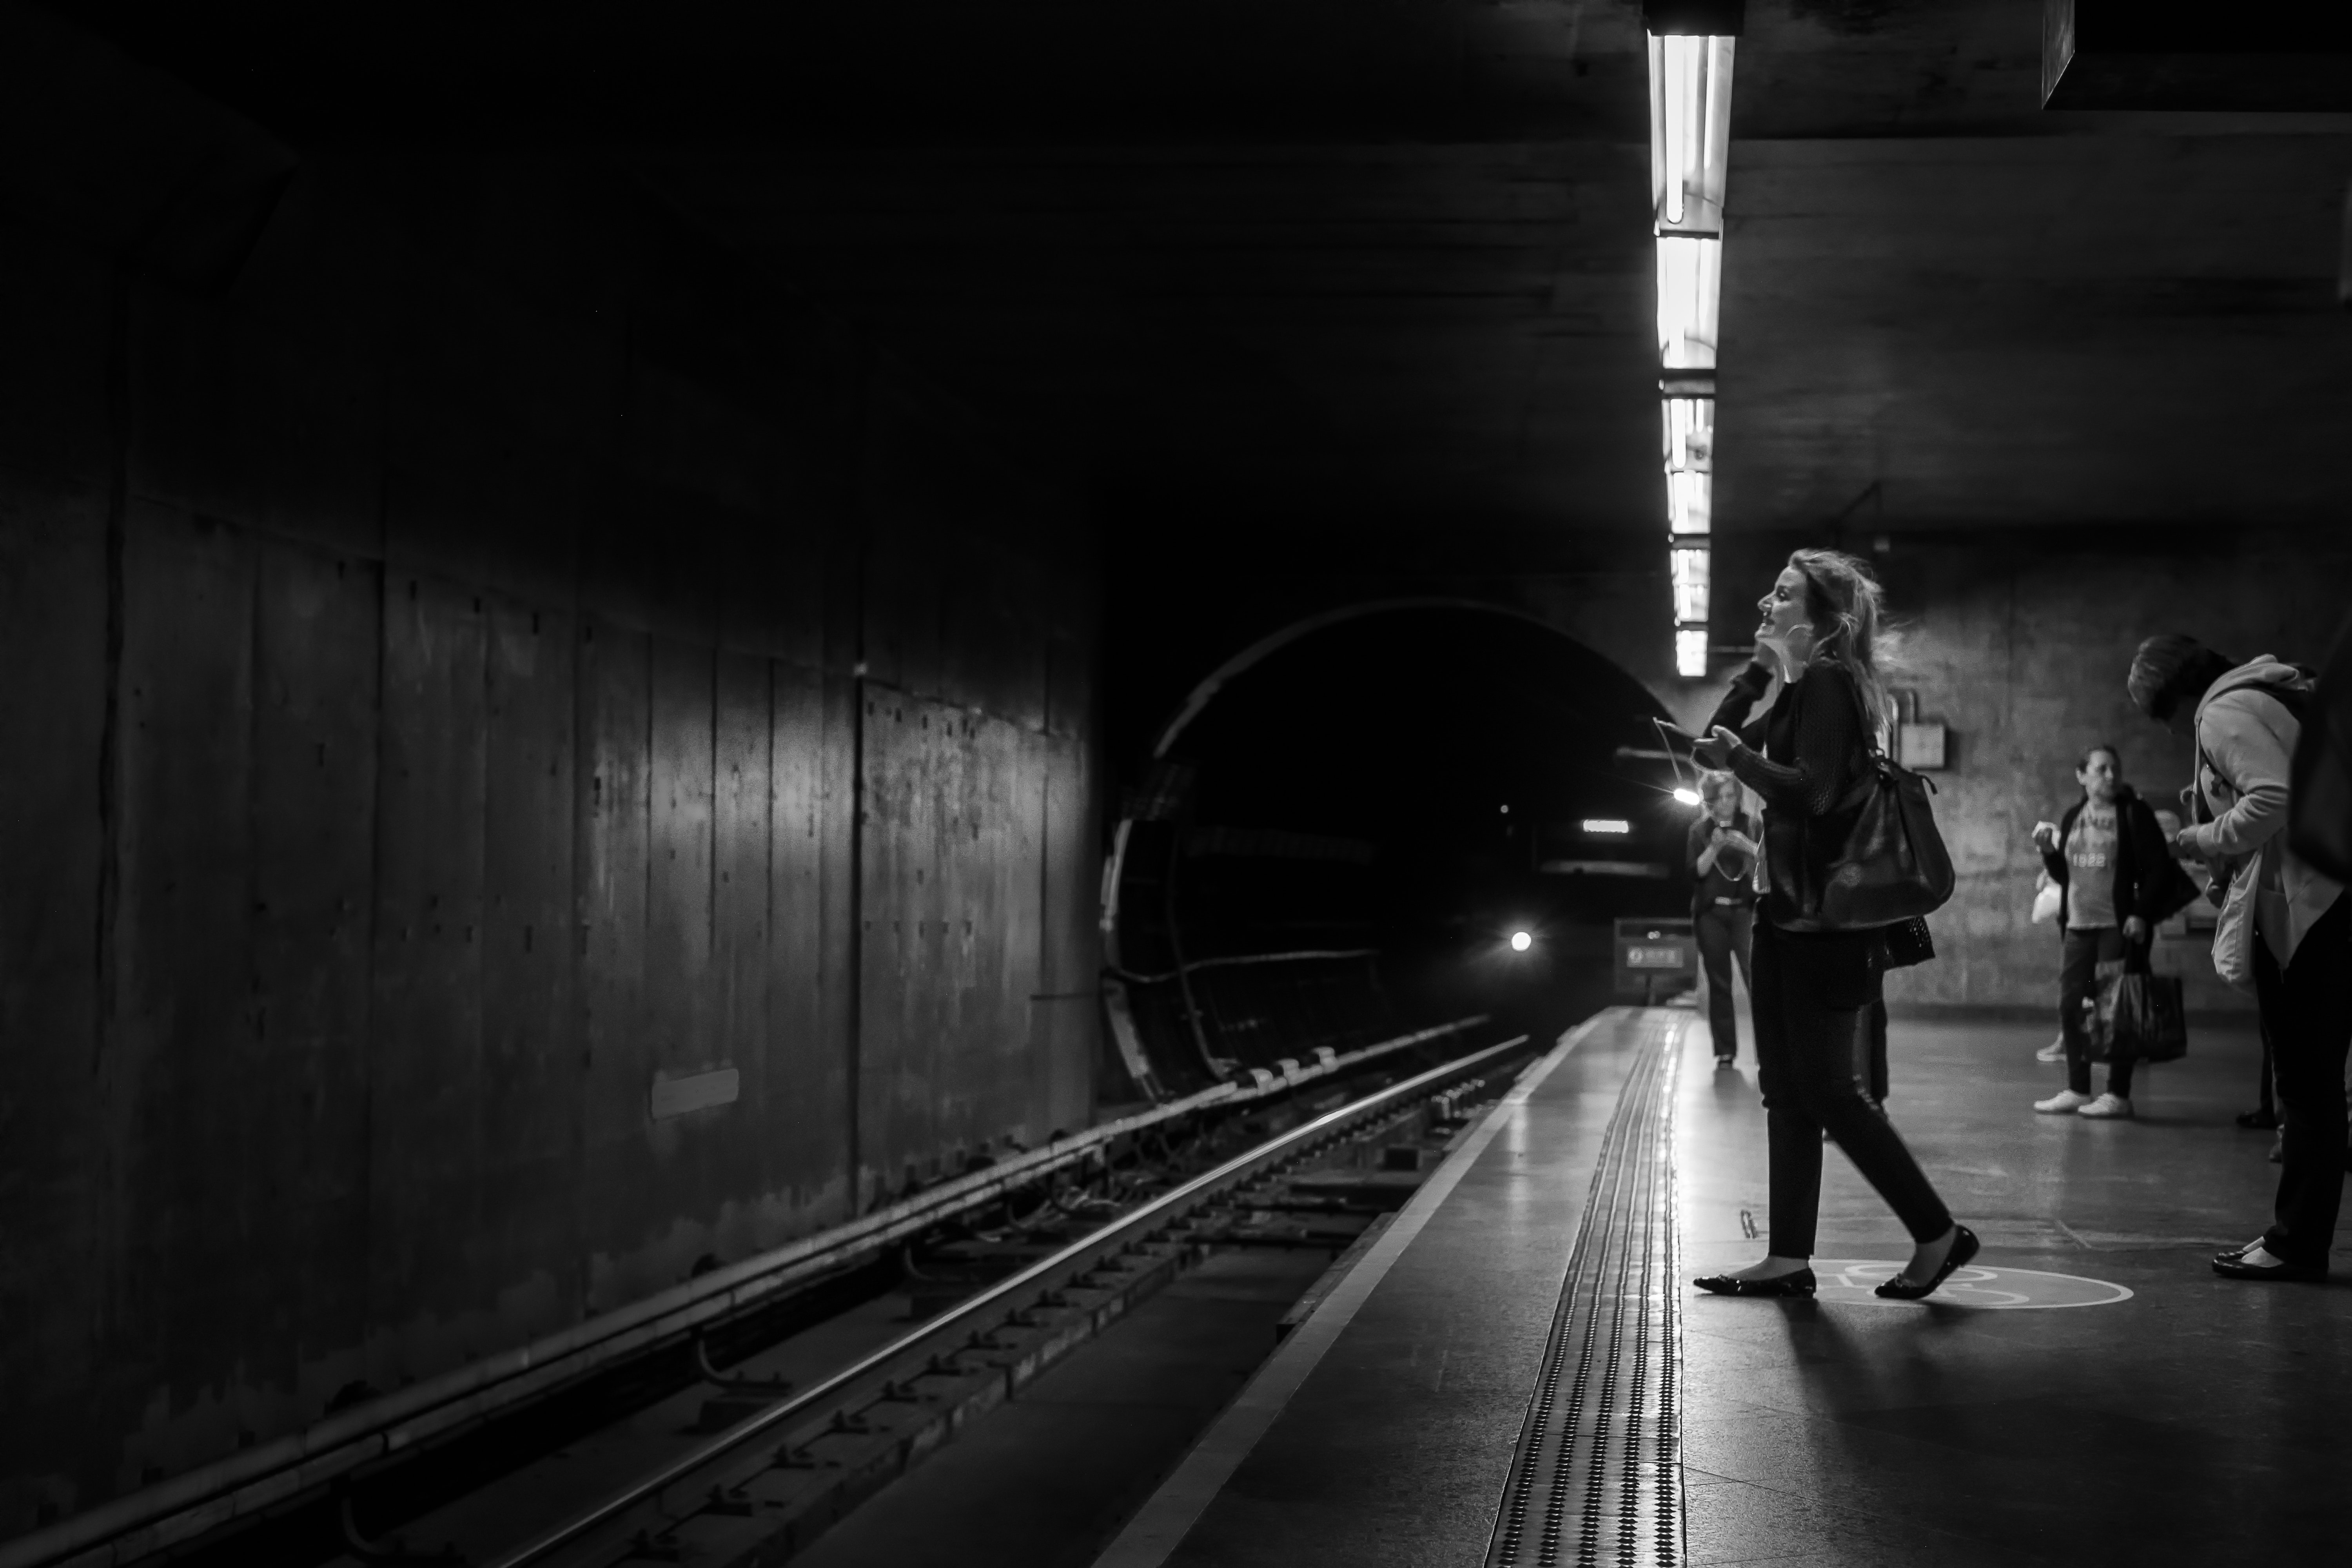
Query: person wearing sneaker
{"points": [[2116, 879], [1815, 991], [2246, 720]]}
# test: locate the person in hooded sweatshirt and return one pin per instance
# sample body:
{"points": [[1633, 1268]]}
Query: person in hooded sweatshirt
{"points": [[2245, 720], [2117, 882]]}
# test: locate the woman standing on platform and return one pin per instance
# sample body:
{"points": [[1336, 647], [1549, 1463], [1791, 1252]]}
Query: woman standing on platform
{"points": [[2117, 881], [1721, 855], [1813, 991]]}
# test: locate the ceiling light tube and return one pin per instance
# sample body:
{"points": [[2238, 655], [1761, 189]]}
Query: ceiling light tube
{"points": [[1690, 131], [1690, 287], [1690, 504], [1689, 425], [1690, 580]]}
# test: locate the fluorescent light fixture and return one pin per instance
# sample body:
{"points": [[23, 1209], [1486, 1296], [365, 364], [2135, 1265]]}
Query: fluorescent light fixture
{"points": [[1607, 824], [1688, 797], [1690, 131], [1690, 585], [1690, 652], [1521, 942], [1689, 425], [1690, 157], [1690, 296], [1690, 504]]}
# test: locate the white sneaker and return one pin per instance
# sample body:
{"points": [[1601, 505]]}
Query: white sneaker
{"points": [[2055, 1051], [2107, 1107], [2063, 1103]]}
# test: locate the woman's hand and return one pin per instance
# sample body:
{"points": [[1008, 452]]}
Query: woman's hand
{"points": [[2045, 837], [2135, 929], [1717, 749], [1732, 839]]}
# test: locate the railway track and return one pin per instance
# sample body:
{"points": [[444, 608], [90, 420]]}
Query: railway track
{"points": [[706, 1455], [764, 1487]]}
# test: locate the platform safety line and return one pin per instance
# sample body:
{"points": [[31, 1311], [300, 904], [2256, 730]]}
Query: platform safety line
{"points": [[1164, 1523], [1596, 1475]]}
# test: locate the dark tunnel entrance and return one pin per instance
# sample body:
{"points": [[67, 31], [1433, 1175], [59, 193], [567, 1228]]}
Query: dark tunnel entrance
{"points": [[1339, 835]]}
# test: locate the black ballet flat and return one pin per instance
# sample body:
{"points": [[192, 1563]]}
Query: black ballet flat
{"points": [[1801, 1283], [1964, 1246], [2260, 1121]]}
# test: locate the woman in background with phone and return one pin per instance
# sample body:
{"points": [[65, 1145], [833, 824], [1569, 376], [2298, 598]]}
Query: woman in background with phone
{"points": [[1721, 855]]}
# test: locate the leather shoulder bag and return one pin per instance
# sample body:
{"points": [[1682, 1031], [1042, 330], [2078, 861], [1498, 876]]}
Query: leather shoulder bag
{"points": [[1893, 866]]}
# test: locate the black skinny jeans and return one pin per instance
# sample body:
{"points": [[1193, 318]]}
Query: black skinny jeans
{"points": [[2086, 948], [1725, 933], [2307, 1020], [1814, 996]]}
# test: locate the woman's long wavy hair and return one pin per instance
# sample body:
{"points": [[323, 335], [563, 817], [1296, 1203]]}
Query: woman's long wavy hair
{"points": [[1847, 608]]}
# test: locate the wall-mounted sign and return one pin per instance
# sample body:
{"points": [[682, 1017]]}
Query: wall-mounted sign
{"points": [[693, 1091]]}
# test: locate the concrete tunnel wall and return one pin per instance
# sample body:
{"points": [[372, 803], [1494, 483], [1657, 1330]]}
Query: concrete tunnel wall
{"points": [[432, 678]]}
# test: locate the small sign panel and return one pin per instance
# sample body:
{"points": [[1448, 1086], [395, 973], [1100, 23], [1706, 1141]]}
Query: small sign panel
{"points": [[1669, 957], [693, 1091], [1920, 746]]}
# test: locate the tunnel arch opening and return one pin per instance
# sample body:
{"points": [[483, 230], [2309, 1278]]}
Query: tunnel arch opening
{"points": [[1345, 825]]}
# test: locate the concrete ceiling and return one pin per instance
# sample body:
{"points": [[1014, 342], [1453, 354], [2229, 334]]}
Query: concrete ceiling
{"points": [[1318, 264]]}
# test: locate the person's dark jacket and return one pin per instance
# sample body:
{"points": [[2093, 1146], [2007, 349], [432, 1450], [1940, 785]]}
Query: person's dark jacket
{"points": [[1805, 757], [2319, 793], [2149, 882], [1705, 887]]}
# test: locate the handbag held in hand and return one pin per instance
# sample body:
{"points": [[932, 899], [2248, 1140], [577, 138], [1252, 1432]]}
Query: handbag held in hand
{"points": [[2136, 1015]]}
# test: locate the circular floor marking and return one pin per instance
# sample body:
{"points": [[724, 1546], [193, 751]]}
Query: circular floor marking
{"points": [[1994, 1289]]}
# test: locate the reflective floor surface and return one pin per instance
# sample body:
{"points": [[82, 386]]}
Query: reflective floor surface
{"points": [[2087, 1393], [2195, 1420]]}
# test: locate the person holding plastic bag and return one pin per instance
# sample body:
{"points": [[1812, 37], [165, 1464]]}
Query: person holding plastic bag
{"points": [[2286, 926], [2046, 904], [2117, 880]]}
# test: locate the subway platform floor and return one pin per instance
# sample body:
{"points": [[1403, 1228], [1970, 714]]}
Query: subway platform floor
{"points": [[2199, 1420], [2089, 1391]]}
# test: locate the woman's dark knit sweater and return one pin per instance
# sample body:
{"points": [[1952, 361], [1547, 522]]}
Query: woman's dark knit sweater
{"points": [[1804, 758]]}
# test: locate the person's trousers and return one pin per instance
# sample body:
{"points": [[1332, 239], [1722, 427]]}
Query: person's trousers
{"points": [[1813, 999], [2266, 1100], [1725, 933], [1870, 1065], [2306, 1021], [2086, 948]]}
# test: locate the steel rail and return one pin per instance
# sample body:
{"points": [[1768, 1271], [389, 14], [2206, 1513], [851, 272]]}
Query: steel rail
{"points": [[268, 1475], [1154, 1216], [1235, 961]]}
